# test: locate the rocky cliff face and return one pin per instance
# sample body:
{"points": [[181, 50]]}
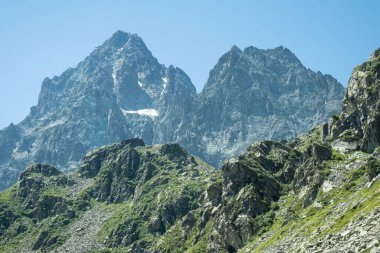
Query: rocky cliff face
{"points": [[127, 194], [334, 204], [307, 195], [313, 194], [121, 91], [359, 122], [253, 95]]}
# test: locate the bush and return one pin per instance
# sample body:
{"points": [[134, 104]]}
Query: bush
{"points": [[372, 168]]}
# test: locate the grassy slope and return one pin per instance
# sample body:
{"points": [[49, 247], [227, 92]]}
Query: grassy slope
{"points": [[169, 183], [344, 204]]}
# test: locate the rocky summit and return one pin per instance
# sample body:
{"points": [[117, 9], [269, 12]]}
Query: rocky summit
{"points": [[121, 91], [253, 95], [318, 192], [116, 93]]}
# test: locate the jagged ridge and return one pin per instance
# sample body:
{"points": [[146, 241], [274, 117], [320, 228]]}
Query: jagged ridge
{"points": [[121, 91]]}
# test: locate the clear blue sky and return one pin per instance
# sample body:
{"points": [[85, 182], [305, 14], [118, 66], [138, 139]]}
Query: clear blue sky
{"points": [[42, 38]]}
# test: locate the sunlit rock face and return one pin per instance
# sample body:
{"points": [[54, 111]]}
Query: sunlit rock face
{"points": [[359, 122]]}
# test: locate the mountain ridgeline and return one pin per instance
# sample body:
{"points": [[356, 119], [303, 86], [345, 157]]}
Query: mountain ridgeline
{"points": [[318, 192], [121, 91]]}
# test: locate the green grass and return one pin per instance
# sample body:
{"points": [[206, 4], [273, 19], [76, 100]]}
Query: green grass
{"points": [[349, 135], [313, 136], [169, 183], [337, 156], [304, 222], [7, 196], [196, 241], [120, 214], [202, 243], [372, 168]]}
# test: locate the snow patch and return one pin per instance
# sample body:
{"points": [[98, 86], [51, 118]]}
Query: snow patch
{"points": [[115, 68], [56, 123], [165, 82], [118, 51], [144, 112], [114, 75]]}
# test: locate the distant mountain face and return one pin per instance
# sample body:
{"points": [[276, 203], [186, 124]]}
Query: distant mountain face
{"points": [[121, 91], [113, 94], [254, 95]]}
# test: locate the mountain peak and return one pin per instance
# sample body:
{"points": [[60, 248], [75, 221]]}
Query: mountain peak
{"points": [[280, 53], [235, 49], [121, 38], [375, 55], [360, 117], [121, 34], [283, 50]]}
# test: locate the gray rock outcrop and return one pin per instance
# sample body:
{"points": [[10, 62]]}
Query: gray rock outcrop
{"points": [[359, 121], [253, 95]]}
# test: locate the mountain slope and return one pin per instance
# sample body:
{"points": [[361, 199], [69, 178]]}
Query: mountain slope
{"points": [[121, 91], [345, 210], [125, 194], [316, 193], [254, 95], [112, 95]]}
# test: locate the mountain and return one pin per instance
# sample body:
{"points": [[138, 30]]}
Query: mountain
{"points": [[318, 192], [121, 91], [254, 95], [112, 95]]}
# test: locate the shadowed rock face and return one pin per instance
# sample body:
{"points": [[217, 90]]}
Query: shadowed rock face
{"points": [[359, 121], [43, 169], [121, 91], [253, 95], [128, 174]]}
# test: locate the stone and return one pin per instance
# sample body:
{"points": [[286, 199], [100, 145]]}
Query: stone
{"points": [[344, 146], [173, 150], [43, 169], [317, 205], [327, 186], [156, 225], [324, 131]]}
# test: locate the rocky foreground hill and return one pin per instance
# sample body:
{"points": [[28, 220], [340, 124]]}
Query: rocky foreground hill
{"points": [[121, 91], [316, 193]]}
